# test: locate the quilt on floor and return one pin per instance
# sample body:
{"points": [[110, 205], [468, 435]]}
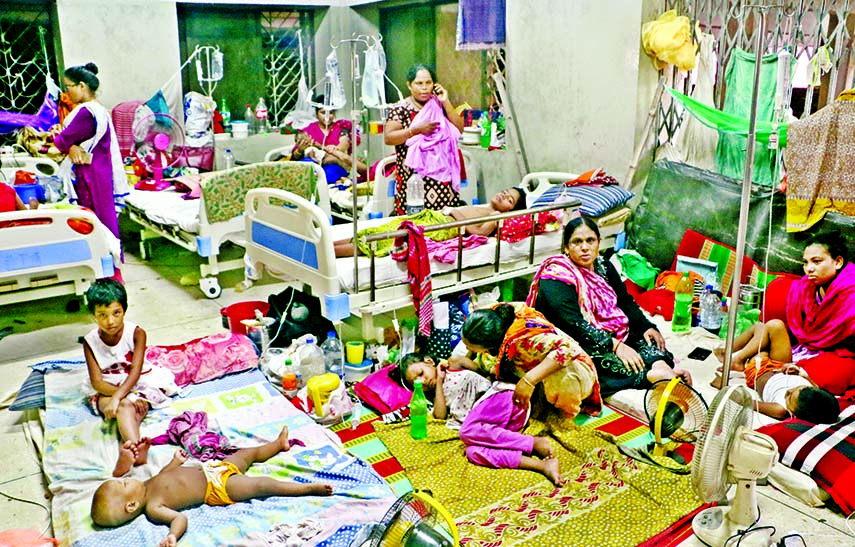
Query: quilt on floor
{"points": [[610, 500], [81, 449]]}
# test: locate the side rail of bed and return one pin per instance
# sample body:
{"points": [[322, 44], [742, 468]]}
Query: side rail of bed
{"points": [[293, 233], [51, 252]]}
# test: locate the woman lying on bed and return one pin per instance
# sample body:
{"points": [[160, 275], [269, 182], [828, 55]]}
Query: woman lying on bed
{"points": [[511, 199]]}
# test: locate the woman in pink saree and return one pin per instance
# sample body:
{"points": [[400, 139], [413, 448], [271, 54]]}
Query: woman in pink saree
{"points": [[819, 333]]}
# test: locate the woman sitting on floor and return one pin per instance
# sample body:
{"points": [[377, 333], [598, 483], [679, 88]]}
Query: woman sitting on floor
{"points": [[820, 330], [583, 295], [512, 199], [528, 347]]}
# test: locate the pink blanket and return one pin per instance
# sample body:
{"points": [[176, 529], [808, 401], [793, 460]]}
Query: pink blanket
{"points": [[435, 155], [205, 358]]}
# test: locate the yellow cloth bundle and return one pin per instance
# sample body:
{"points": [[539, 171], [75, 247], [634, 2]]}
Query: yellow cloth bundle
{"points": [[668, 40]]}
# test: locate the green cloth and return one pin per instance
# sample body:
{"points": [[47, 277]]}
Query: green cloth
{"points": [[739, 82], [637, 268], [427, 217]]}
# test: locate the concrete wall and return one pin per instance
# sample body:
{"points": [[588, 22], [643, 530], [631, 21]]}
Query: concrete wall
{"points": [[133, 42], [573, 79]]}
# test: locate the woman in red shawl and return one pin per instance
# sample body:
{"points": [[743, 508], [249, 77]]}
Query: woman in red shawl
{"points": [[820, 330]]}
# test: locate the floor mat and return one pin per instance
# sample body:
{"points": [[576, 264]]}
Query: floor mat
{"points": [[610, 500]]}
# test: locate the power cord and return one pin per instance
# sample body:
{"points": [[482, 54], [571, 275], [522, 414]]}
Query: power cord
{"points": [[31, 502]]}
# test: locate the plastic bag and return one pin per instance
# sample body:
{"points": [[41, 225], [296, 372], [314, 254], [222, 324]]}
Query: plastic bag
{"points": [[373, 85], [334, 97]]}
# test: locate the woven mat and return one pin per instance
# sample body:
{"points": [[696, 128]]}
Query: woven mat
{"points": [[610, 500]]}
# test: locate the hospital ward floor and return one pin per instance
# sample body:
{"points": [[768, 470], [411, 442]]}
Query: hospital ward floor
{"points": [[163, 300]]}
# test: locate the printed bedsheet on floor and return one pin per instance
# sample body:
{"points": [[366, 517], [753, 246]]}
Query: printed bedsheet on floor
{"points": [[610, 500], [81, 450]]}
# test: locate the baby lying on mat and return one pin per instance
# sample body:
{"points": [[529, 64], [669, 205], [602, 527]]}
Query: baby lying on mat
{"points": [[178, 487]]}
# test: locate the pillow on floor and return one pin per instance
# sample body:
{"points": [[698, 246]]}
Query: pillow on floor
{"points": [[31, 394], [382, 393], [825, 452]]}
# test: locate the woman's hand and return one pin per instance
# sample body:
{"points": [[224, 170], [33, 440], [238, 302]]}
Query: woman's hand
{"points": [[424, 128], [440, 92], [652, 336], [522, 393], [304, 141], [79, 156], [630, 358]]}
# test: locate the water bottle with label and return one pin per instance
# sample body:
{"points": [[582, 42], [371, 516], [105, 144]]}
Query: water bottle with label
{"points": [[418, 412], [415, 194], [682, 320], [249, 117], [261, 116], [710, 310], [227, 116]]}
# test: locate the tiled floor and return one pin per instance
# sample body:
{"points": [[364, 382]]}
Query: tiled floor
{"points": [[164, 300]]}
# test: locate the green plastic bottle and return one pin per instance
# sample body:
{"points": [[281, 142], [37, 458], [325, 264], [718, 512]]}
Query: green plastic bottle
{"points": [[683, 296], [227, 116], [418, 412]]}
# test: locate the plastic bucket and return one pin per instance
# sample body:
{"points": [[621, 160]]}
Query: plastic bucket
{"points": [[239, 311]]}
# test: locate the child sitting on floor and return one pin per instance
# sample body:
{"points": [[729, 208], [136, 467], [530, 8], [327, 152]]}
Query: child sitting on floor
{"points": [[785, 391], [178, 487], [115, 351], [489, 421]]}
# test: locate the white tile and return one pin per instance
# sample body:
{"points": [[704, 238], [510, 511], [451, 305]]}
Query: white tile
{"points": [[18, 514]]}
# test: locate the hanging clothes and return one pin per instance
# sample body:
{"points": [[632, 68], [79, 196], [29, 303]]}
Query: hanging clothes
{"points": [[435, 155], [739, 81], [695, 142], [820, 154], [668, 41], [480, 25]]}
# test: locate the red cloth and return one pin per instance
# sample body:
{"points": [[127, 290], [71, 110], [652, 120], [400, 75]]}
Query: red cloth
{"points": [[775, 299], [832, 371], [7, 198], [413, 249], [659, 301]]}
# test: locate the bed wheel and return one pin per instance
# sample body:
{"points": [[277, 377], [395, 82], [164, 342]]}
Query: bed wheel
{"points": [[210, 287]]}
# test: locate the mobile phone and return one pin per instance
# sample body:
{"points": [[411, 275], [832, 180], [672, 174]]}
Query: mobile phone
{"points": [[699, 354]]}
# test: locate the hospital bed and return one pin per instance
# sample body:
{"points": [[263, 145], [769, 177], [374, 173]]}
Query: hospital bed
{"points": [[51, 252], [203, 225], [292, 238]]}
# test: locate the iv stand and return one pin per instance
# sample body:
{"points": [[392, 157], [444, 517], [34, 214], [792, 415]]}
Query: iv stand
{"points": [[746, 198]]}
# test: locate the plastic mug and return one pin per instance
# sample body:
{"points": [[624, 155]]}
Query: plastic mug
{"points": [[355, 352]]}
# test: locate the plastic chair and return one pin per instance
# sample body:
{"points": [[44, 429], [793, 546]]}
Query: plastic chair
{"points": [[469, 185], [383, 199], [279, 152]]}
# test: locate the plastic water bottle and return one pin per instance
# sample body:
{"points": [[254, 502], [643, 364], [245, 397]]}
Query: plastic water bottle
{"points": [[682, 320], [311, 360], [415, 194], [418, 412], [228, 159], [227, 116], [333, 357], [261, 116], [710, 312], [249, 116]]}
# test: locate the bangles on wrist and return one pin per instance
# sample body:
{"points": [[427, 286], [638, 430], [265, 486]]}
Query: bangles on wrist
{"points": [[527, 381]]}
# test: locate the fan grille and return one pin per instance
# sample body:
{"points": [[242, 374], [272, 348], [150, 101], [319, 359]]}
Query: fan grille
{"points": [[691, 405], [731, 408], [405, 515]]}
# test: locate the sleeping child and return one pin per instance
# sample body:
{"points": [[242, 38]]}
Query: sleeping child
{"points": [[125, 387], [785, 390], [510, 199], [178, 486], [489, 421]]}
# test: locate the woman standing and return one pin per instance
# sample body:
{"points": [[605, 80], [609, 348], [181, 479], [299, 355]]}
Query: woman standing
{"points": [[584, 296], [528, 347], [87, 137], [400, 127]]}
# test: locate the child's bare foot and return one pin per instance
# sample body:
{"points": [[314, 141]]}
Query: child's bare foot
{"points": [[142, 447], [283, 440], [126, 459], [684, 374], [551, 471], [316, 489], [542, 448], [719, 353]]}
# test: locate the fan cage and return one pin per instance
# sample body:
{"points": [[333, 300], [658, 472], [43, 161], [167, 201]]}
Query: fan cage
{"points": [[730, 409], [144, 130], [405, 514], [691, 402]]}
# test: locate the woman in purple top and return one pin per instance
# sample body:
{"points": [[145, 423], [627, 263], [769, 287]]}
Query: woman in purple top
{"points": [[87, 137]]}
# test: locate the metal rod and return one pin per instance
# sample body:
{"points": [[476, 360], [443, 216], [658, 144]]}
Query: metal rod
{"points": [[744, 205]]}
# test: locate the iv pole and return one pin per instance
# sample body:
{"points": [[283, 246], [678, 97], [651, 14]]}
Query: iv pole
{"points": [[746, 191]]}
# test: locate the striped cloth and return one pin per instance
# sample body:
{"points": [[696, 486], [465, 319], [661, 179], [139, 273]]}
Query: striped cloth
{"points": [[413, 249], [596, 200]]}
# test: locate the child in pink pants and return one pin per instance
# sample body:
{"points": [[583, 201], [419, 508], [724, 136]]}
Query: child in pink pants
{"points": [[491, 422]]}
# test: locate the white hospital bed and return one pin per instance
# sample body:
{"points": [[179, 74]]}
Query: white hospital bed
{"points": [[204, 225], [296, 241], [52, 252]]}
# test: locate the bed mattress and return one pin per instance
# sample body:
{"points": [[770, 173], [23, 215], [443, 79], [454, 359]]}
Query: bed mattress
{"points": [[167, 207], [389, 271]]}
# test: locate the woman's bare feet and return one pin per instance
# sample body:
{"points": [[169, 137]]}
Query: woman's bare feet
{"points": [[126, 459], [542, 448], [141, 450], [552, 472]]}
